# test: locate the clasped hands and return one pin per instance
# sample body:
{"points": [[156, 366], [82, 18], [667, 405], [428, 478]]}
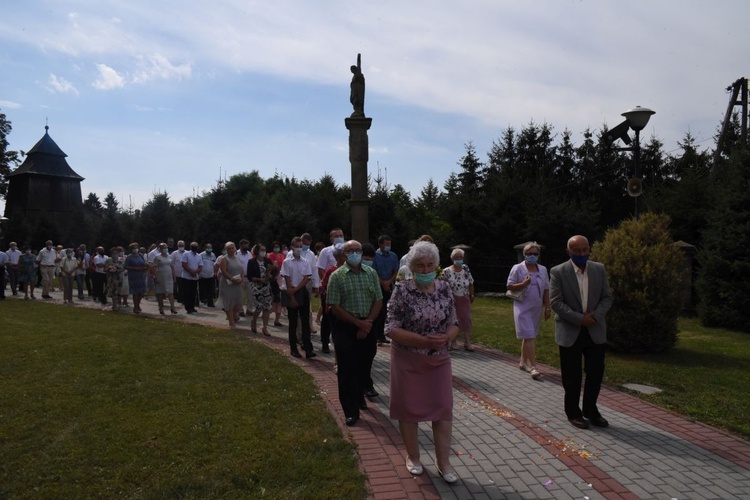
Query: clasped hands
{"points": [[363, 328], [588, 320], [436, 340]]}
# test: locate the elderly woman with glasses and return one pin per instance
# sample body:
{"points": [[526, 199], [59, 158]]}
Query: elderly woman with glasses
{"points": [[533, 278]]}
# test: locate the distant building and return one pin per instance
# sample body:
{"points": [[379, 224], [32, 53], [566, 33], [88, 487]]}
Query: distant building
{"points": [[44, 197]]}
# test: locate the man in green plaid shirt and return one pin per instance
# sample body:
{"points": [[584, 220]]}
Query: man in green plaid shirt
{"points": [[355, 298]]}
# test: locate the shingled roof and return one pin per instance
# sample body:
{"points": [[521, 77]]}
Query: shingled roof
{"points": [[46, 158]]}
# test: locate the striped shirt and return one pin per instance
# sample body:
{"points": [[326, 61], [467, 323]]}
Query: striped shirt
{"points": [[354, 292]]}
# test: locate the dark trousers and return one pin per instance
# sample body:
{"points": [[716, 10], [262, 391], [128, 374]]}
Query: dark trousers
{"points": [[570, 370], [99, 282], [188, 290], [378, 326], [354, 360], [89, 282], [178, 289], [80, 278], [206, 288], [325, 324], [2, 282], [13, 277], [303, 312]]}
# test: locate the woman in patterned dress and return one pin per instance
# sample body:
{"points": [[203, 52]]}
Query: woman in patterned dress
{"points": [[259, 275], [27, 272], [114, 267], [137, 269], [162, 272], [459, 278], [421, 323]]}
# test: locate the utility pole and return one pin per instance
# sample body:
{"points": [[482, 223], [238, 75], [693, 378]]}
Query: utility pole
{"points": [[739, 98]]}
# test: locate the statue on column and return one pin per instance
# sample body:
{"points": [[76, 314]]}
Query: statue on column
{"points": [[357, 96]]}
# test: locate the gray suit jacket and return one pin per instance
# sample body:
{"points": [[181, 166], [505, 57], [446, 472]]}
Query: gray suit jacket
{"points": [[565, 299]]}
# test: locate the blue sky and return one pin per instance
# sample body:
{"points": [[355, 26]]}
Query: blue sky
{"points": [[161, 95]]}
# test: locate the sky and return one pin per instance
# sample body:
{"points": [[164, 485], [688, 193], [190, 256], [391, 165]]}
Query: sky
{"points": [[169, 95]]}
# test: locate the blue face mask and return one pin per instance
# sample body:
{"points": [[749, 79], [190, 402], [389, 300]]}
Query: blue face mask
{"points": [[354, 259], [386, 249], [367, 263], [459, 263], [424, 279], [305, 248], [579, 260], [532, 259], [338, 240]]}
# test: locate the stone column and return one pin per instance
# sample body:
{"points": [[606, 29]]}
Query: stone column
{"points": [[358, 156]]}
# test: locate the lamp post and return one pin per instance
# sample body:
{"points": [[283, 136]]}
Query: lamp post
{"points": [[635, 118]]}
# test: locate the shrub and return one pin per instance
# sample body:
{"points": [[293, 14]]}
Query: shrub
{"points": [[645, 273]]}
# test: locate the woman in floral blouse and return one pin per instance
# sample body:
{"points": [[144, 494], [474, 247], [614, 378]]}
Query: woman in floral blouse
{"points": [[421, 323], [459, 278]]}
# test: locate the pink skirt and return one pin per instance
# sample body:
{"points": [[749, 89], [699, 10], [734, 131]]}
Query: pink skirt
{"points": [[421, 386], [463, 312]]}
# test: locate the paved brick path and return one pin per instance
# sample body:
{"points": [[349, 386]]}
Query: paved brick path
{"points": [[511, 439]]}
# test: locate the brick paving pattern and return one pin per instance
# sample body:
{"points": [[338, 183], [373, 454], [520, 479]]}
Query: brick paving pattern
{"points": [[511, 439]]}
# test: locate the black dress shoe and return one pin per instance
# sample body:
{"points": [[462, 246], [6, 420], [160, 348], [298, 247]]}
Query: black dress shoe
{"points": [[579, 422], [371, 393], [350, 421], [363, 405], [310, 354], [598, 421], [296, 354], [325, 350]]}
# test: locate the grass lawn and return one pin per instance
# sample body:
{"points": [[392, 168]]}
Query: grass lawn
{"points": [[706, 377], [94, 404]]}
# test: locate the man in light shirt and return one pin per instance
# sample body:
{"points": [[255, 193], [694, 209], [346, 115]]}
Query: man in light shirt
{"points": [[192, 264], [13, 255], [99, 275], [296, 273], [176, 258], [326, 258], [4, 263], [207, 282], [47, 259]]}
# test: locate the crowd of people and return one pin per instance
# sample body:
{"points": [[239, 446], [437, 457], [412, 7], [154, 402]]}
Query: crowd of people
{"points": [[368, 297]]}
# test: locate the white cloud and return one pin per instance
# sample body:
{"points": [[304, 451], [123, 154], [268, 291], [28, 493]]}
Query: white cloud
{"points": [[158, 67], [9, 105], [108, 78], [60, 84]]}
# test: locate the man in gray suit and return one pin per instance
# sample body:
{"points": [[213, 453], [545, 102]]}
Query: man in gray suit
{"points": [[580, 297]]}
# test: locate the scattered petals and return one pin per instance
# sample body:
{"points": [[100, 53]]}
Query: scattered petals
{"points": [[459, 453], [548, 483]]}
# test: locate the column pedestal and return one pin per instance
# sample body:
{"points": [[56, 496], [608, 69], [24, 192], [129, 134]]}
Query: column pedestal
{"points": [[358, 156]]}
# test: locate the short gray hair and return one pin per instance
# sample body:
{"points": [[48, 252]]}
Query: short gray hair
{"points": [[422, 249], [455, 252], [531, 245]]}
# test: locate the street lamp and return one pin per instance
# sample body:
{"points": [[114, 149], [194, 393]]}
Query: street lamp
{"points": [[635, 119]]}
